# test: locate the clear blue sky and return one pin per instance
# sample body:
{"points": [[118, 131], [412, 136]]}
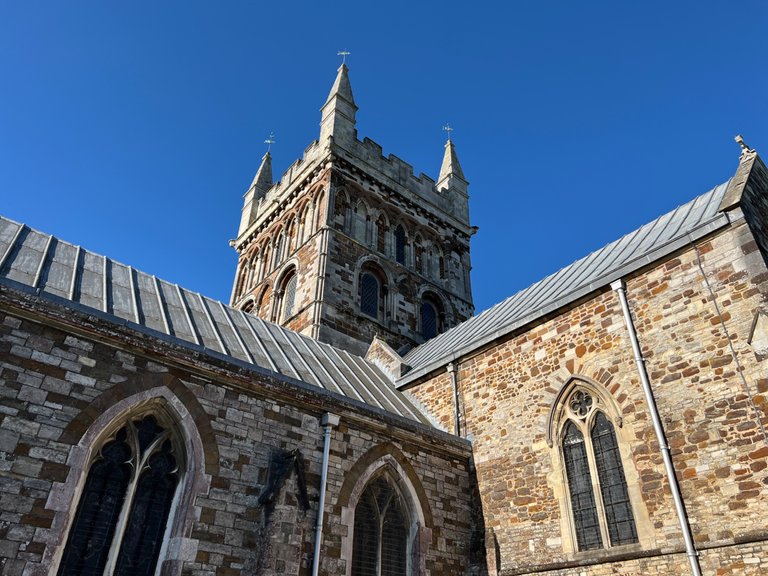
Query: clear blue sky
{"points": [[134, 128]]}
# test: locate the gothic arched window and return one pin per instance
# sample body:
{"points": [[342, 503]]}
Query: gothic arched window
{"points": [[599, 500], [380, 545], [369, 294], [289, 296], [123, 512]]}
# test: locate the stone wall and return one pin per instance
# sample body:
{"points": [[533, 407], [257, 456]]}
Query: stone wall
{"points": [[693, 314], [60, 383]]}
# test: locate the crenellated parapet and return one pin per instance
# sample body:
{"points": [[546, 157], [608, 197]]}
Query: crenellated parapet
{"points": [[357, 243]]}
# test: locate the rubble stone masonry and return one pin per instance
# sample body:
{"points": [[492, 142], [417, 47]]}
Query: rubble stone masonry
{"points": [[61, 375], [693, 313]]}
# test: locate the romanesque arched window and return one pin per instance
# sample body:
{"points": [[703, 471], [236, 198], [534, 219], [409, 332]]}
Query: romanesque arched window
{"points": [[430, 316], [249, 306], [380, 545], [601, 511], [124, 507]]}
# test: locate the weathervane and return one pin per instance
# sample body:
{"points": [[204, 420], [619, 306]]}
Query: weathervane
{"points": [[447, 128], [269, 141], [343, 54]]}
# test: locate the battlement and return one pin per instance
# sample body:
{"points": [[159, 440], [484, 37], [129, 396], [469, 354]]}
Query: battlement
{"points": [[293, 173], [400, 173]]}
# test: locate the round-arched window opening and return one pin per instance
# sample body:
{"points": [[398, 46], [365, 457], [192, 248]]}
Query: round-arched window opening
{"points": [[369, 295]]}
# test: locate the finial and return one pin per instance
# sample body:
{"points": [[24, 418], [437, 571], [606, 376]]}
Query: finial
{"points": [[447, 128], [744, 147], [343, 54], [269, 141]]}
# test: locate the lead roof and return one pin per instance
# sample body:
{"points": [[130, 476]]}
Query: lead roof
{"points": [[62, 272], [658, 238]]}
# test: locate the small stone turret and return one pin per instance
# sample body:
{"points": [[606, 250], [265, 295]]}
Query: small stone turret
{"points": [[262, 182], [338, 112], [452, 185]]}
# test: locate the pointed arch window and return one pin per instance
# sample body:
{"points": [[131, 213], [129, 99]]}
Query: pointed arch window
{"points": [[369, 294], [599, 500], [289, 296], [380, 546], [124, 508]]}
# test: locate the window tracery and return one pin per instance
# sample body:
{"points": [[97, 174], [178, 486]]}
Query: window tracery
{"points": [[381, 531], [124, 507], [601, 510]]}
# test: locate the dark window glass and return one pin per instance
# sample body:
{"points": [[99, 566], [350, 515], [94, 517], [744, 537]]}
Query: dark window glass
{"points": [[381, 535], [366, 537], [146, 524], [289, 297], [394, 540], [103, 495], [428, 320], [369, 295], [144, 446], [613, 485], [580, 488], [400, 244]]}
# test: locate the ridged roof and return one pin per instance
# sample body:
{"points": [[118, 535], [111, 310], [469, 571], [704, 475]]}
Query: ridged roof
{"points": [[56, 270], [656, 239]]}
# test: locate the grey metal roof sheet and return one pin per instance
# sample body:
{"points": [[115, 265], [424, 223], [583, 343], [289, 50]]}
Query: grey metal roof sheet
{"points": [[58, 270], [631, 252]]}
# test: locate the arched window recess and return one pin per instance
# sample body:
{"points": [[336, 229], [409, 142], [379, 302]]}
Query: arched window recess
{"points": [[601, 513], [123, 511], [382, 533], [372, 291]]}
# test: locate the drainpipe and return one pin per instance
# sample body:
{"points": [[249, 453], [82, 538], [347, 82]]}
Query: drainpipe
{"points": [[690, 549], [328, 421], [454, 382]]}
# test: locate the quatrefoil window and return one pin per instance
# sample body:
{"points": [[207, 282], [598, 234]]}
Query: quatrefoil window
{"points": [[580, 403]]}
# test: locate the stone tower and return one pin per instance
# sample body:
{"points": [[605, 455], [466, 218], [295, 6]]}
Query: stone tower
{"points": [[349, 244]]}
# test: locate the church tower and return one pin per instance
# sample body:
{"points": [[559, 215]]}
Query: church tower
{"points": [[349, 244]]}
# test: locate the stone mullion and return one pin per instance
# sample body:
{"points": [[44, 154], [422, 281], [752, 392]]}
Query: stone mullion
{"points": [[130, 494], [586, 426]]}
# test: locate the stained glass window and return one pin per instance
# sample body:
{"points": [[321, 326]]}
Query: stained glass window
{"points": [[600, 505], [613, 485], [580, 488], [137, 468]]}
